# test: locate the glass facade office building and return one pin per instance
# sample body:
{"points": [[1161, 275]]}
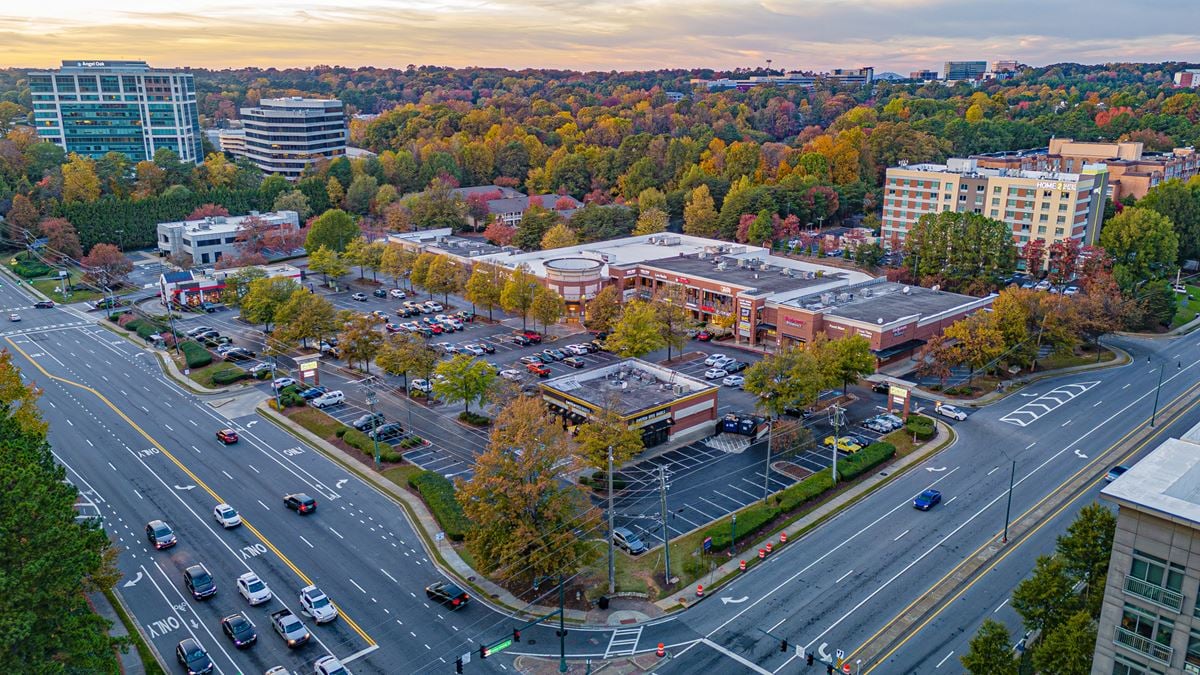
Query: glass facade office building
{"points": [[95, 107], [285, 135]]}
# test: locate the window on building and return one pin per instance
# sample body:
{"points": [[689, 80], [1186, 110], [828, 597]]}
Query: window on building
{"points": [[1010, 214], [1058, 231], [1047, 193], [979, 188], [1191, 662], [1126, 666], [995, 201], [1011, 202], [961, 198], [996, 190], [1062, 207], [1041, 229], [1045, 206], [1156, 571], [962, 188], [1147, 625], [1043, 218], [994, 213]]}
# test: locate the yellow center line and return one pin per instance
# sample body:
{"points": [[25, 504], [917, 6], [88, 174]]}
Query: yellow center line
{"points": [[942, 605], [196, 479]]}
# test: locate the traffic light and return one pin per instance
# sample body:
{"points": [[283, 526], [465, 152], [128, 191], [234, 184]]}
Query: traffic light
{"points": [[828, 670], [808, 659], [458, 665], [483, 651], [516, 635], [783, 646]]}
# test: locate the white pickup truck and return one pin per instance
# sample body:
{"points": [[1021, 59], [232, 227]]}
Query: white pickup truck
{"points": [[290, 628]]}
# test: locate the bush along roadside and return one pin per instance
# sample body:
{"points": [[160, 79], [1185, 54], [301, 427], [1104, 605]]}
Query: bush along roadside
{"points": [[438, 493]]}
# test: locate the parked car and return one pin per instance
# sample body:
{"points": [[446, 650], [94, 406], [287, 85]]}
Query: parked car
{"points": [[577, 350], [328, 398], [554, 354], [487, 348], [280, 383], [420, 385], [359, 297], [533, 336], [510, 374], [574, 362], [844, 443], [160, 535], [532, 358], [368, 421], [397, 294], [434, 306], [704, 336], [300, 502], [734, 381], [385, 431], [624, 538], [379, 293], [227, 436], [313, 392], [473, 350], [238, 354], [735, 366], [880, 387], [447, 594], [715, 373], [193, 332], [521, 340], [538, 369], [716, 359], [951, 412], [927, 500]]}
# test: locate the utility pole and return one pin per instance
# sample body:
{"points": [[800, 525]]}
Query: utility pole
{"points": [[371, 399], [1008, 509], [837, 423], [1158, 389], [612, 563], [662, 487], [767, 470]]}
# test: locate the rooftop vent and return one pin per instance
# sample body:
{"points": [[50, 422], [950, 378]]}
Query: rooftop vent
{"points": [[905, 290]]}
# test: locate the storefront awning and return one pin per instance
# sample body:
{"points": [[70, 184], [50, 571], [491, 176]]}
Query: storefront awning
{"points": [[765, 326], [906, 346]]}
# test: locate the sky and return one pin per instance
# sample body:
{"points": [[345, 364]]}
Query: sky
{"points": [[896, 35]]}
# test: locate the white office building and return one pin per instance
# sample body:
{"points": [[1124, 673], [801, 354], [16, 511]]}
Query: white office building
{"points": [[210, 239], [285, 135]]}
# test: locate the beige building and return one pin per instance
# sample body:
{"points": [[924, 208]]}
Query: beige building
{"points": [[1131, 171], [1047, 205], [1150, 620]]}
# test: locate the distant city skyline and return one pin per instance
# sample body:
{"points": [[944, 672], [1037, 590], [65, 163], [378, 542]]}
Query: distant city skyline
{"points": [[895, 35]]}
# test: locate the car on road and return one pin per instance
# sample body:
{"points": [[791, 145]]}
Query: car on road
{"points": [[448, 594], [239, 629], [193, 657], [715, 373], [227, 516], [704, 336], [927, 500], [510, 374], [199, 581], [300, 502], [574, 362], [328, 398], [538, 369], [1115, 473], [43, 304], [734, 381], [625, 539], [160, 534], [227, 436], [313, 392], [420, 385], [379, 293], [253, 589], [329, 665], [14, 317], [844, 443], [385, 431], [282, 382], [717, 360], [359, 297], [951, 412], [317, 605], [290, 628], [397, 294], [368, 421]]}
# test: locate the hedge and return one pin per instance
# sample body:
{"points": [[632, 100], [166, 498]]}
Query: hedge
{"points": [[438, 493], [357, 439], [809, 488], [31, 268], [195, 355], [229, 376], [749, 521], [920, 426], [474, 419], [864, 460]]}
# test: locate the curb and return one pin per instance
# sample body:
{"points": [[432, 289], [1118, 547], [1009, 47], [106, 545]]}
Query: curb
{"points": [[167, 365]]}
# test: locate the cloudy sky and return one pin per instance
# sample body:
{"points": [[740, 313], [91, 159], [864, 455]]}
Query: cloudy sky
{"points": [[899, 35]]}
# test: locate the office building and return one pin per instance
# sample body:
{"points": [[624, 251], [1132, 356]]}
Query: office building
{"points": [[1150, 618], [964, 70], [209, 240], [1189, 78], [285, 135], [1131, 172], [924, 75], [1005, 66], [232, 141], [1047, 205], [855, 76], [95, 107]]}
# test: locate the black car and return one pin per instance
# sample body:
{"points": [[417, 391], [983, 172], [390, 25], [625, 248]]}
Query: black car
{"points": [[379, 293], [208, 335], [238, 354], [300, 502], [487, 348], [880, 387], [386, 431], [199, 582], [447, 593], [367, 421], [735, 366], [193, 657], [521, 340], [44, 304], [239, 629], [160, 535]]}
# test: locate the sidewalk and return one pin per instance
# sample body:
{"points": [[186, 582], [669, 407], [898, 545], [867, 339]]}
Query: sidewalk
{"points": [[130, 661]]}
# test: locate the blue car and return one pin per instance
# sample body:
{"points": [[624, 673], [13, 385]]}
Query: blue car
{"points": [[927, 500], [312, 392]]}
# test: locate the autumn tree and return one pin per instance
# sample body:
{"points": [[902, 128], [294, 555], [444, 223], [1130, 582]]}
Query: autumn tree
{"points": [[520, 289], [936, 359], [405, 353], [607, 429], [638, 331], [419, 272], [651, 220], [1142, 243], [534, 225], [789, 379], [700, 214], [334, 229], [485, 286], [604, 310], [846, 359], [1064, 260], [962, 247], [356, 254], [237, 284], [335, 193], [80, 182], [264, 299], [293, 200], [22, 219], [62, 241], [989, 651], [360, 340], [499, 233], [106, 266], [559, 236], [208, 210], [328, 263], [305, 316], [1034, 255], [396, 261], [444, 276], [1103, 309], [464, 379], [651, 198], [548, 307], [670, 306], [525, 518], [977, 341]]}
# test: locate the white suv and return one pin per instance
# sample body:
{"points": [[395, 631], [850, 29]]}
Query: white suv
{"points": [[717, 360], [253, 589], [317, 605], [328, 398]]}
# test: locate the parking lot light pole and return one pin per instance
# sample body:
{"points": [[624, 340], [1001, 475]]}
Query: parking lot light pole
{"points": [[278, 403], [732, 534], [371, 399], [1158, 389], [767, 470], [612, 563]]}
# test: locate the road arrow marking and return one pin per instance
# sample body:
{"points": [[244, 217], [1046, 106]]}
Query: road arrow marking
{"points": [[338, 485], [930, 468], [1080, 454], [727, 600], [185, 487], [821, 651], [133, 582], [251, 423], [194, 624]]}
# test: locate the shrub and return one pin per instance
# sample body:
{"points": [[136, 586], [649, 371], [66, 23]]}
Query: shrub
{"points": [[866, 459], [922, 427], [195, 355], [123, 320], [391, 456], [801, 492], [438, 493], [229, 376], [474, 419], [145, 329], [31, 268], [290, 398], [262, 375], [749, 521], [341, 431], [357, 439]]}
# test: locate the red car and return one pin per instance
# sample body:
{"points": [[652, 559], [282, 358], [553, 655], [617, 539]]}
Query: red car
{"points": [[227, 436], [538, 369], [533, 336], [704, 336]]}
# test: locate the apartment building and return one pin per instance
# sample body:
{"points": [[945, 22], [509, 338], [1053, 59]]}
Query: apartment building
{"points": [[285, 135], [1188, 79], [1047, 205], [1150, 619], [1131, 171], [95, 107]]}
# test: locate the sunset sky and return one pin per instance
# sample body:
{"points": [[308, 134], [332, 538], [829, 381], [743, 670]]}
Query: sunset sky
{"points": [[899, 35]]}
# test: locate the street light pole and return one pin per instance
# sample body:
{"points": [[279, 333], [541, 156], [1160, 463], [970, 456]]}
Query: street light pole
{"points": [[767, 470], [662, 484], [562, 629], [1157, 389], [1008, 509], [371, 399], [612, 563], [732, 533]]}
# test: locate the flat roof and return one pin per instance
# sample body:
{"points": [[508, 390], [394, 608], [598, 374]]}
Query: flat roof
{"points": [[883, 302], [445, 241], [772, 276], [1165, 482], [973, 170], [628, 386], [623, 251]]}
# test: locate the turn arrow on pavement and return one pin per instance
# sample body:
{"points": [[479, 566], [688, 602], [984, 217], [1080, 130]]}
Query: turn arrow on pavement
{"points": [[725, 600], [938, 470]]}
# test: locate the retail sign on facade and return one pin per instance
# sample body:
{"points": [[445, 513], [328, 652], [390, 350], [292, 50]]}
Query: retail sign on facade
{"points": [[649, 418], [726, 290], [865, 333], [682, 280], [899, 332], [708, 308], [795, 323], [660, 276]]}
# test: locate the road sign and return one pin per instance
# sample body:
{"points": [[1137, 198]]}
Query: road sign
{"points": [[466, 658], [497, 647], [840, 655], [707, 544]]}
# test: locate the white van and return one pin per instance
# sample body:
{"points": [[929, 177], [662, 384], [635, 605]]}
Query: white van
{"points": [[329, 398]]}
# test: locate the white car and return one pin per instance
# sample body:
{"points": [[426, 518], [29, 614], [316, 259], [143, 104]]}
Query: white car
{"points": [[715, 373], [328, 398], [951, 412], [420, 385], [226, 516], [434, 306], [717, 360], [397, 294], [577, 350], [511, 374], [317, 605], [281, 382], [734, 381], [472, 350], [329, 665], [253, 589]]}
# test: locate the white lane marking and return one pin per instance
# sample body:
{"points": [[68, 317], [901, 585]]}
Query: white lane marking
{"points": [[226, 474], [357, 586], [111, 466], [736, 657], [252, 467], [263, 505], [951, 499], [994, 470], [359, 654], [776, 625], [939, 665], [1097, 403], [389, 576], [193, 422], [1000, 606], [306, 541], [90, 444], [848, 573], [1065, 423], [168, 426], [70, 422], [901, 535], [1126, 386], [339, 534], [139, 495], [1031, 445]]}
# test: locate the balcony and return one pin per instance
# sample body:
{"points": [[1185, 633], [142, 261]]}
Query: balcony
{"points": [[1163, 597], [1142, 645]]}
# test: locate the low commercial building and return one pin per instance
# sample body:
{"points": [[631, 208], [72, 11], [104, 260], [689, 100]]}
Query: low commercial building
{"points": [[208, 240], [1150, 618], [232, 141], [204, 289], [662, 403]]}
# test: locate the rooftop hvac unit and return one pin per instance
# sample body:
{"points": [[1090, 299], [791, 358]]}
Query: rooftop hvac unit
{"points": [[827, 298], [721, 266], [668, 240], [474, 253], [678, 389], [867, 292], [935, 288], [703, 255], [843, 297], [742, 262], [764, 267]]}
